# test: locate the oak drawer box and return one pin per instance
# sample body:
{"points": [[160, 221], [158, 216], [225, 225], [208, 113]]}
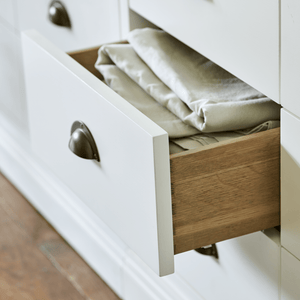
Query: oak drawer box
{"points": [[239, 35], [157, 203]]}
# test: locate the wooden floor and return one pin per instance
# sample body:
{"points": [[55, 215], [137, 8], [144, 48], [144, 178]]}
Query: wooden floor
{"points": [[35, 262]]}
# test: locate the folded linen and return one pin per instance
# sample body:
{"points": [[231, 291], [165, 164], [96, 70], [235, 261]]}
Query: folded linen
{"points": [[193, 88], [182, 136], [126, 59], [130, 91]]}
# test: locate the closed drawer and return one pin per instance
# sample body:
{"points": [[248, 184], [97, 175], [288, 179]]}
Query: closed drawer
{"points": [[290, 179], [248, 268], [290, 60], [240, 36], [290, 276], [158, 204], [91, 21]]}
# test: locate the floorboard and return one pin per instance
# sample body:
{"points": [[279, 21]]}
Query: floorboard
{"points": [[35, 261]]}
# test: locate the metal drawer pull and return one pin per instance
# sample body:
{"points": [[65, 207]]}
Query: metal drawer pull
{"points": [[209, 250], [82, 142], [58, 14]]}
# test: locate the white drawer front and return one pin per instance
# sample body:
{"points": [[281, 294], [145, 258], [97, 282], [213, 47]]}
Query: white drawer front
{"points": [[7, 11], [130, 188], [240, 36], [248, 268], [12, 100], [290, 276], [290, 58], [290, 182], [92, 22]]}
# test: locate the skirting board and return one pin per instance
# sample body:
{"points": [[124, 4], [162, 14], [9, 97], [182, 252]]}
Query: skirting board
{"points": [[92, 239]]}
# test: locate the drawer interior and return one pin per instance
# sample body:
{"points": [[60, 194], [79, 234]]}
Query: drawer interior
{"points": [[87, 59], [220, 191]]}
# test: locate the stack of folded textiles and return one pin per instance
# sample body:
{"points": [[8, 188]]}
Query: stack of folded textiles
{"points": [[194, 100]]}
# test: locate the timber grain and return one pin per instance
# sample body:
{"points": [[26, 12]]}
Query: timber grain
{"points": [[225, 190]]}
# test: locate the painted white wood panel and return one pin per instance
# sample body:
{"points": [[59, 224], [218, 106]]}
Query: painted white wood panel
{"points": [[12, 98], [94, 22], [290, 55], [290, 182], [290, 276], [140, 283], [7, 11], [130, 188], [240, 36], [248, 268]]}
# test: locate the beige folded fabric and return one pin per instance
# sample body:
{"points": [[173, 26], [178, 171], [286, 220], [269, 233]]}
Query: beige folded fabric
{"points": [[221, 101], [130, 91], [130, 63], [202, 95], [182, 136]]}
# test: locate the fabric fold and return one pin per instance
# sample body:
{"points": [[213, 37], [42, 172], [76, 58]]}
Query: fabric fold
{"points": [[221, 101], [205, 97], [130, 91], [126, 59]]}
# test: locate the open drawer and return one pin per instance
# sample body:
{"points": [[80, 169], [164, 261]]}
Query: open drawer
{"points": [[157, 203]]}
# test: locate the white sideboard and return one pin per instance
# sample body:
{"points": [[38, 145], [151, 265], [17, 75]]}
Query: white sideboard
{"points": [[249, 266]]}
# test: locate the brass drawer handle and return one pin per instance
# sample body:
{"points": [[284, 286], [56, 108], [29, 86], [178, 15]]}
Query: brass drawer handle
{"points": [[58, 14], [82, 142]]}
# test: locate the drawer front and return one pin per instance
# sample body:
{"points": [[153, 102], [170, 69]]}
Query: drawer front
{"points": [[240, 36], [7, 11], [248, 268], [92, 22], [290, 276], [290, 179], [130, 188], [290, 59], [12, 101]]}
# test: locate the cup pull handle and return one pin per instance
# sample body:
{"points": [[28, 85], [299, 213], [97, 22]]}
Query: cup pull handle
{"points": [[82, 142], [58, 14], [209, 250]]}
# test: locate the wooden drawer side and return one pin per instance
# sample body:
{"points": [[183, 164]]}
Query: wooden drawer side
{"points": [[225, 190], [87, 59]]}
